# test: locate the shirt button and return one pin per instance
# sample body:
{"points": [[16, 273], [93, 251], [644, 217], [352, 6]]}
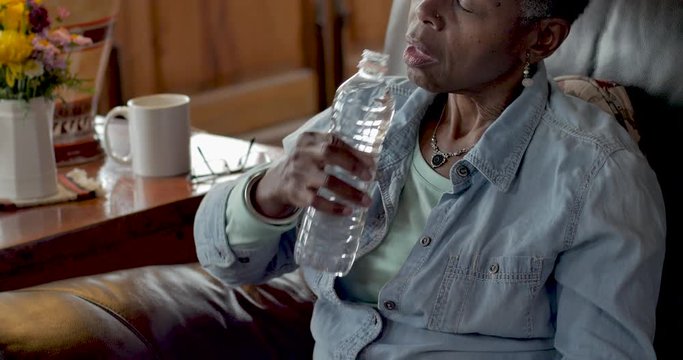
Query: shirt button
{"points": [[390, 305], [462, 171], [425, 241], [494, 268]]}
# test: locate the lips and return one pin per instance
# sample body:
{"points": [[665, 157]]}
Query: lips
{"points": [[416, 56]]}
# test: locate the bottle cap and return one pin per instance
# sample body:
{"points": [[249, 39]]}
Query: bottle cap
{"points": [[374, 60]]}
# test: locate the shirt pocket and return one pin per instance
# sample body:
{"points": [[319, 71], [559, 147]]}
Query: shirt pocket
{"points": [[489, 295]]}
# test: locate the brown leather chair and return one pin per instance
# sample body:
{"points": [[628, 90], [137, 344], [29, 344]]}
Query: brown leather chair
{"points": [[160, 312]]}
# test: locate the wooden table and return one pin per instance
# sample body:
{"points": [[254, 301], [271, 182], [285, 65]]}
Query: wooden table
{"points": [[139, 221]]}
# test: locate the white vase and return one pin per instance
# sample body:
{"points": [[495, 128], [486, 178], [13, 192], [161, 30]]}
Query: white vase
{"points": [[27, 160]]}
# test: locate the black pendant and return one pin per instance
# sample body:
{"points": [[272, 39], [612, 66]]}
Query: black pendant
{"points": [[438, 160]]}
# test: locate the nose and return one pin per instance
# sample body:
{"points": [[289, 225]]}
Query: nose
{"points": [[427, 11]]}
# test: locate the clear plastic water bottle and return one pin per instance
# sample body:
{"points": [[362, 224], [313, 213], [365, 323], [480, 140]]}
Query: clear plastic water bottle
{"points": [[362, 111]]}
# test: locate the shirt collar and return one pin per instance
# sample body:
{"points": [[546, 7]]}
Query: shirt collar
{"points": [[499, 152], [400, 139]]}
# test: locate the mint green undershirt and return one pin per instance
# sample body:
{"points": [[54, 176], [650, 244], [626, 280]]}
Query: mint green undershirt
{"points": [[424, 187], [422, 191], [242, 227]]}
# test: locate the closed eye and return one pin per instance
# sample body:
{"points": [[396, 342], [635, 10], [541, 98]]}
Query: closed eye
{"points": [[464, 4]]}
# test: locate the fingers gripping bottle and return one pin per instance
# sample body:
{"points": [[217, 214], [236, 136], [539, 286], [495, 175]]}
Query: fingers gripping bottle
{"points": [[361, 113]]}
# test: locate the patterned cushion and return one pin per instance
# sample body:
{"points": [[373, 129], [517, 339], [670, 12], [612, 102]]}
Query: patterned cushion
{"points": [[607, 95]]}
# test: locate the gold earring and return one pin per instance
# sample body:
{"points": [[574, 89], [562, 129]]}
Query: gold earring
{"points": [[528, 81]]}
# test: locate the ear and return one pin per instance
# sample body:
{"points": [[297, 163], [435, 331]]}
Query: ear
{"points": [[546, 36]]}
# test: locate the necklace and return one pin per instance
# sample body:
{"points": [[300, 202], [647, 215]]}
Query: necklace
{"points": [[439, 158]]}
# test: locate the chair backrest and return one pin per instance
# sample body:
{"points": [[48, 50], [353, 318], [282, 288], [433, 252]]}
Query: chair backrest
{"points": [[639, 44]]}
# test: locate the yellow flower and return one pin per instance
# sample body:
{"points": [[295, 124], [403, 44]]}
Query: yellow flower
{"points": [[14, 47], [13, 15], [33, 69], [12, 74]]}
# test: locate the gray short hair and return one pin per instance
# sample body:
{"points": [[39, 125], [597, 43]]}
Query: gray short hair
{"points": [[535, 9], [565, 9]]}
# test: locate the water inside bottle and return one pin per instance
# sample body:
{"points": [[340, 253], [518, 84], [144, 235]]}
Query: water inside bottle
{"points": [[321, 248], [362, 111]]}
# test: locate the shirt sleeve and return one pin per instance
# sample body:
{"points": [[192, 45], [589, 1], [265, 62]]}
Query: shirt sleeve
{"points": [[259, 252], [236, 247], [608, 279]]}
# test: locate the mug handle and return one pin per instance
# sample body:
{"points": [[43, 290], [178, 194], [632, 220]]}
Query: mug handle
{"points": [[121, 111]]}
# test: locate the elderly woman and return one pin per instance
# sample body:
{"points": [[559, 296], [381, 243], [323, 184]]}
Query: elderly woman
{"points": [[508, 221]]}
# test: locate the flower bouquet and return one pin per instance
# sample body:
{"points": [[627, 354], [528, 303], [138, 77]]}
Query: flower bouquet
{"points": [[34, 63], [34, 58]]}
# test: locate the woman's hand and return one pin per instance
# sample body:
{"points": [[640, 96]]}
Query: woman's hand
{"points": [[294, 181]]}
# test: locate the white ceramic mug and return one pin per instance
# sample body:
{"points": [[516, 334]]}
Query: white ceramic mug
{"points": [[159, 133]]}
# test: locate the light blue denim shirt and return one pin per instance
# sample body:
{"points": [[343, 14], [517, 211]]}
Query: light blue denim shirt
{"points": [[549, 246]]}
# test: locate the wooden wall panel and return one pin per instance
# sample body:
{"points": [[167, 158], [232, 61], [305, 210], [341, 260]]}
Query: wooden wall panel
{"points": [[222, 42], [181, 52], [348, 27], [135, 44], [256, 104], [368, 22], [208, 47], [365, 28], [197, 45], [229, 53], [264, 37]]}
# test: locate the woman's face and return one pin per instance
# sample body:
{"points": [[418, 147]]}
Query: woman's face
{"points": [[464, 45]]}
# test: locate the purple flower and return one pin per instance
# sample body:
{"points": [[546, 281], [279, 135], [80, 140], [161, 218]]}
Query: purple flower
{"points": [[80, 40], [60, 37], [39, 19], [62, 13], [49, 54]]}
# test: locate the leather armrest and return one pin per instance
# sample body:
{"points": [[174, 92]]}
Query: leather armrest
{"points": [[175, 312]]}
